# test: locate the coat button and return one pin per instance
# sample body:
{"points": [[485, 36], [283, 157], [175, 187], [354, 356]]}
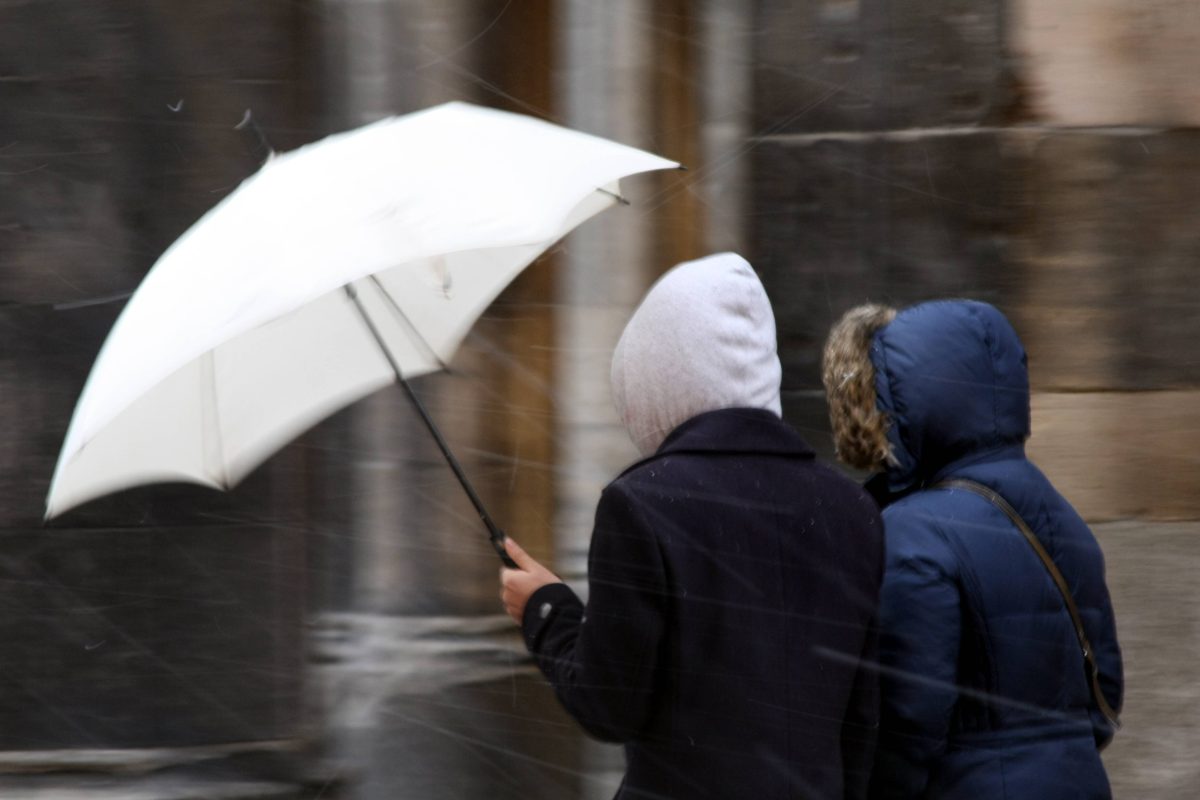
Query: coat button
{"points": [[545, 610]]}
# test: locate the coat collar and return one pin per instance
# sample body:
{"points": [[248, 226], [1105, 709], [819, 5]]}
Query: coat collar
{"points": [[1006, 452], [880, 489], [732, 430]]}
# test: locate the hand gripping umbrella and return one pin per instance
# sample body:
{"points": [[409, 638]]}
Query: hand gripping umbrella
{"points": [[335, 270]]}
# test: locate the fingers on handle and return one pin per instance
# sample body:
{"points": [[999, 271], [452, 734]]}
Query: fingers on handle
{"points": [[517, 554]]}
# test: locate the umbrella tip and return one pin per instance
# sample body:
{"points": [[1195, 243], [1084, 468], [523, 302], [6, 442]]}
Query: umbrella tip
{"points": [[248, 121]]}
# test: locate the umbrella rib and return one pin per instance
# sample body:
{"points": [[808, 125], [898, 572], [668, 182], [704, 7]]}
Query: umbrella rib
{"points": [[495, 534], [212, 416], [408, 323], [621, 200]]}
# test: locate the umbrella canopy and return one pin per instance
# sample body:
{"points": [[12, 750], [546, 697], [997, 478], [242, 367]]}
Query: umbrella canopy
{"points": [[335, 269]]}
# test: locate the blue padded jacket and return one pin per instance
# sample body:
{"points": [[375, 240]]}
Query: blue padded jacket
{"points": [[983, 683]]}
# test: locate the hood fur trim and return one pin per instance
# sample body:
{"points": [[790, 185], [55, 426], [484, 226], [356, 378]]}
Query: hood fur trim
{"points": [[859, 427]]}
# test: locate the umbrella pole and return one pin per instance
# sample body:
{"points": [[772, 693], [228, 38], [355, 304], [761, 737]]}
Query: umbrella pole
{"points": [[494, 533]]}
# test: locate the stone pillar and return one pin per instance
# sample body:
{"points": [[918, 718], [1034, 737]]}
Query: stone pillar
{"points": [[636, 71], [724, 68], [426, 688], [156, 632], [605, 267]]}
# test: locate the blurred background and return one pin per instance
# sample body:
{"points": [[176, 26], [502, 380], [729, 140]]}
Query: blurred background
{"points": [[331, 628]]}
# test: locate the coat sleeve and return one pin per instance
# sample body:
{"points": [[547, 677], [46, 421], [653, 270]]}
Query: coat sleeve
{"points": [[919, 645], [860, 727], [603, 659]]}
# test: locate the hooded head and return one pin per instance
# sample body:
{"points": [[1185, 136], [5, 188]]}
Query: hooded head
{"points": [[703, 339], [912, 391]]}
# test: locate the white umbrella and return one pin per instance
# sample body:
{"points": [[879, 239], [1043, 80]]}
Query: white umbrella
{"points": [[335, 270]]}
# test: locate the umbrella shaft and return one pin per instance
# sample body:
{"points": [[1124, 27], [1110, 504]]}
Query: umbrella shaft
{"points": [[496, 535], [450, 458]]}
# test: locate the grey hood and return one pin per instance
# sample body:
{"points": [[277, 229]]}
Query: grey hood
{"points": [[703, 339]]}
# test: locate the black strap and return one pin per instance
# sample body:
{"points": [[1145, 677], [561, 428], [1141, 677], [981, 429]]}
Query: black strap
{"points": [[1089, 659]]}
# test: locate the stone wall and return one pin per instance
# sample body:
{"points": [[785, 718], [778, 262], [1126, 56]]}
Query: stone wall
{"points": [[160, 628]]}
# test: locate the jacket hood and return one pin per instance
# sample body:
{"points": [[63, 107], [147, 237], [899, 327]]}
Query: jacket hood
{"points": [[952, 378], [703, 339]]}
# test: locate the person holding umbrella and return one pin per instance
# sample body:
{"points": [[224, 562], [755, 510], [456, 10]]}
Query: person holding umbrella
{"points": [[727, 638], [998, 648]]}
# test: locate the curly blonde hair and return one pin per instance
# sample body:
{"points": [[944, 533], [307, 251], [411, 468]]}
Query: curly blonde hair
{"points": [[859, 427]]}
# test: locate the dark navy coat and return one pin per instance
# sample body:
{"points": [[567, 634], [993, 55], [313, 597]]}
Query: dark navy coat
{"points": [[732, 585], [984, 691]]}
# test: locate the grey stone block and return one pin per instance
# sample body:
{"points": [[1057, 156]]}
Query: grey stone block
{"points": [[1085, 239], [1151, 575], [808, 413], [501, 739], [136, 638], [118, 131], [148, 788], [840, 221], [50, 40], [852, 65]]}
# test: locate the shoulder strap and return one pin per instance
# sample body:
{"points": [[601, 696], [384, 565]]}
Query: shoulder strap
{"points": [[1089, 659]]}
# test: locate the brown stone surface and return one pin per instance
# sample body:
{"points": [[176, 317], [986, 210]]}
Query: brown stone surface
{"points": [[1108, 246], [1121, 454], [1109, 62], [852, 65]]}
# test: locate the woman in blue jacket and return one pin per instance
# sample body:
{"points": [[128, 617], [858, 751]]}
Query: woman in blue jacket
{"points": [[985, 693]]}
